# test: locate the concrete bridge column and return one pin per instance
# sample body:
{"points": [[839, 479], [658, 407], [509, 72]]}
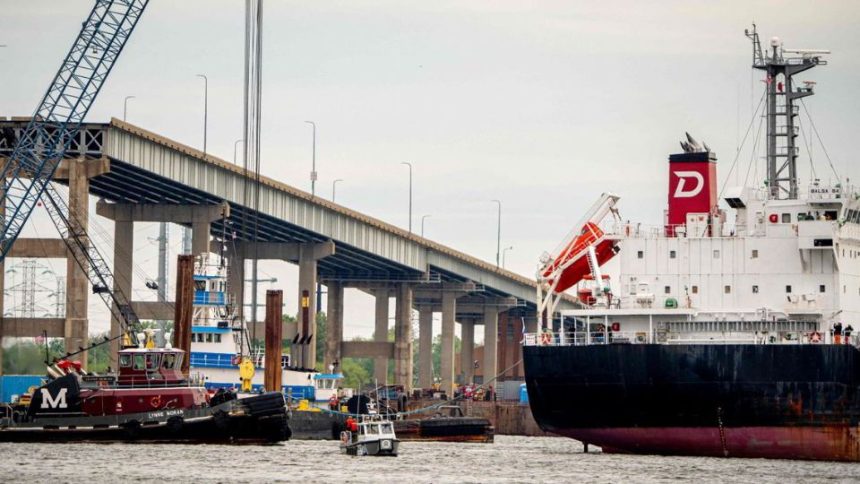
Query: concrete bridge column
{"points": [[446, 367], [491, 344], [403, 337], [425, 347], [123, 248], [380, 334], [334, 320], [307, 304], [76, 331], [236, 282], [467, 351]]}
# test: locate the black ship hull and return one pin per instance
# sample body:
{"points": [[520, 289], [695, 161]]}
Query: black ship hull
{"points": [[258, 419], [768, 401]]}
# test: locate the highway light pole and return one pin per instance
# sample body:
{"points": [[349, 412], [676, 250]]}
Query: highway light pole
{"points": [[205, 109], [313, 158], [498, 232], [235, 147], [504, 251], [422, 223], [410, 192], [334, 188], [125, 106]]}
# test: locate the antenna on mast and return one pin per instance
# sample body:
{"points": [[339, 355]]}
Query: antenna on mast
{"points": [[782, 129]]}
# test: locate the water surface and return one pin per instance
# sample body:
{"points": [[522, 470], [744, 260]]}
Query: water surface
{"points": [[509, 459]]}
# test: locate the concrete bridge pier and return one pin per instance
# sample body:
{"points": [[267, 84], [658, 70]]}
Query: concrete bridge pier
{"points": [[380, 334], [467, 350], [491, 344], [303, 352], [73, 326], [403, 337], [308, 255], [446, 365], [334, 320], [425, 347], [124, 215]]}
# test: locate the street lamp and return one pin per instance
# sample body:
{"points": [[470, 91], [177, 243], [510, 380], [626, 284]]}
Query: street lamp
{"points": [[205, 108], [410, 192], [235, 147], [125, 106], [498, 232], [422, 223], [504, 251], [313, 159], [333, 188]]}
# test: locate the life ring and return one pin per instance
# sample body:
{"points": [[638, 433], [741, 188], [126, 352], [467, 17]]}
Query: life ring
{"points": [[155, 401], [546, 338], [815, 337], [773, 218]]}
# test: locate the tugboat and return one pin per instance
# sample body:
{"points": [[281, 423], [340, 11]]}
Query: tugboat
{"points": [[372, 435], [148, 400]]}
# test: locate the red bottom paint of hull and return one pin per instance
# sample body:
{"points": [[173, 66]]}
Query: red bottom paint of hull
{"points": [[832, 443]]}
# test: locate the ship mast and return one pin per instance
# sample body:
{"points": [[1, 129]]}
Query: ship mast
{"points": [[782, 130]]}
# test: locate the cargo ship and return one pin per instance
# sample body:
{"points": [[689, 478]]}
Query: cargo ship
{"points": [[726, 330]]}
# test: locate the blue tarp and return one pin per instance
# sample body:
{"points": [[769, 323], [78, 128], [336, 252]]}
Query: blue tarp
{"points": [[16, 385]]}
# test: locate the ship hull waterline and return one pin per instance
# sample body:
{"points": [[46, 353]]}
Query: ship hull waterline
{"points": [[757, 401]]}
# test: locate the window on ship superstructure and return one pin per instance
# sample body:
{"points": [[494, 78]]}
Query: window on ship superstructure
{"points": [[217, 338], [786, 218], [755, 289], [716, 254], [755, 253], [788, 289], [667, 289], [727, 289], [640, 254], [695, 289], [822, 288], [672, 254]]}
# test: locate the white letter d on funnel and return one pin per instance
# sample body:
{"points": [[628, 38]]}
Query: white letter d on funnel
{"points": [[683, 176]]}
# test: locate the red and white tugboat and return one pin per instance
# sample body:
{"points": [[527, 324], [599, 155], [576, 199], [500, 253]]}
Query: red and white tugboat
{"points": [[149, 399]]}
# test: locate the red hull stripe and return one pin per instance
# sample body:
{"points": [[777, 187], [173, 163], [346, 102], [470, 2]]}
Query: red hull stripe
{"points": [[808, 443]]}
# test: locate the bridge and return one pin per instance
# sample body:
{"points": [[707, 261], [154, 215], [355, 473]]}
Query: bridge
{"points": [[140, 176]]}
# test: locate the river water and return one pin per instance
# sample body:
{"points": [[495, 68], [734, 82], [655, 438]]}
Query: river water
{"points": [[509, 459]]}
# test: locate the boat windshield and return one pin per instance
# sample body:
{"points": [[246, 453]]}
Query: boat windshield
{"points": [[386, 428]]}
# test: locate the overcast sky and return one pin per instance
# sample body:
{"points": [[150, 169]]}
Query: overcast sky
{"points": [[542, 105]]}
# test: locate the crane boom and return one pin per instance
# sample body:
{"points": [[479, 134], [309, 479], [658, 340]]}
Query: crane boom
{"points": [[38, 152], [27, 173]]}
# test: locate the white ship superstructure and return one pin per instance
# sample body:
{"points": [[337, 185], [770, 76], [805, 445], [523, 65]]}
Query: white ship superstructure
{"points": [[784, 270]]}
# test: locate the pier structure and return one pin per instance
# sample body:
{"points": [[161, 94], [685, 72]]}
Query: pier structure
{"points": [[73, 325], [142, 176]]}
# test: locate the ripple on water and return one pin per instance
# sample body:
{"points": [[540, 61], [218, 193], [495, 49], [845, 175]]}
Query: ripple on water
{"points": [[509, 459]]}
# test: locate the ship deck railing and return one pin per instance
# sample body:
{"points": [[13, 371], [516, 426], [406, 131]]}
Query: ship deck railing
{"points": [[586, 338]]}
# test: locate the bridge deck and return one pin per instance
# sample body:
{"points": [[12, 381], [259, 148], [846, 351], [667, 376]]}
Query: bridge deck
{"points": [[149, 168]]}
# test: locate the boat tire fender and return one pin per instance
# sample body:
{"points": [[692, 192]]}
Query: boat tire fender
{"points": [[175, 423]]}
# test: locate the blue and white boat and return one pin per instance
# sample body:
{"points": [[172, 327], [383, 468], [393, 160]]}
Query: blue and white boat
{"points": [[219, 338]]}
